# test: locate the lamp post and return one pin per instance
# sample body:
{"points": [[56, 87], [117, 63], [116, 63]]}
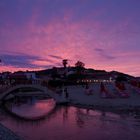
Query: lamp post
{"points": [[0, 61]]}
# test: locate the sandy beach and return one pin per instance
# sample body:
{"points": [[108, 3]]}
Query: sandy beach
{"points": [[78, 96]]}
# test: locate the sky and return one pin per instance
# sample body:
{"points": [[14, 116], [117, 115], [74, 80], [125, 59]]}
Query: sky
{"points": [[38, 34]]}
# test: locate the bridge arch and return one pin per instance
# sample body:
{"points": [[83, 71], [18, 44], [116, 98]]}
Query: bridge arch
{"points": [[9, 91], [28, 118]]}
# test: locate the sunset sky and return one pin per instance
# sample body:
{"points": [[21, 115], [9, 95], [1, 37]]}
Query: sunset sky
{"points": [[38, 34]]}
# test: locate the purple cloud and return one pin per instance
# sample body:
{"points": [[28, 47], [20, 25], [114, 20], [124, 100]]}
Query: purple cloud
{"points": [[56, 57], [21, 60], [103, 54]]}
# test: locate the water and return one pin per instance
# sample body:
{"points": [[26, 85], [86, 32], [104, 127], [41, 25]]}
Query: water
{"points": [[69, 123]]}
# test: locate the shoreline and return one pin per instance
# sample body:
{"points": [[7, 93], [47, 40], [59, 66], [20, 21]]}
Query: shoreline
{"points": [[118, 109]]}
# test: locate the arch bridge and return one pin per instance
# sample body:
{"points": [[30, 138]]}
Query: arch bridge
{"points": [[43, 89]]}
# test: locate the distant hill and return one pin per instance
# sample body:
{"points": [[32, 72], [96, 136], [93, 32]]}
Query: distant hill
{"points": [[89, 70], [122, 74]]}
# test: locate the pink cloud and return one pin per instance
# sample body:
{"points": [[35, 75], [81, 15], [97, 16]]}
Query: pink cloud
{"points": [[74, 41]]}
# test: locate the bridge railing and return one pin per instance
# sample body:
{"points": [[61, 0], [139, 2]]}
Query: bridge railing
{"points": [[4, 87]]}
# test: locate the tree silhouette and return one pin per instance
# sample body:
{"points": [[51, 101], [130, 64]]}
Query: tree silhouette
{"points": [[65, 62], [79, 66]]}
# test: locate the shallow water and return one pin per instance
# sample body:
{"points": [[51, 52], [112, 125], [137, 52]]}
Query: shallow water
{"points": [[69, 123]]}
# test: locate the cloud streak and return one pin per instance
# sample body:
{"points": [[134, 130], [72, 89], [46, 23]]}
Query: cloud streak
{"points": [[102, 53], [56, 57], [21, 60]]}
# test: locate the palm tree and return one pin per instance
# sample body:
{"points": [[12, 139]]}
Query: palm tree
{"points": [[65, 62]]}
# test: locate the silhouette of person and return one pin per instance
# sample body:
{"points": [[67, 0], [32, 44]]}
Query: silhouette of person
{"points": [[66, 93]]}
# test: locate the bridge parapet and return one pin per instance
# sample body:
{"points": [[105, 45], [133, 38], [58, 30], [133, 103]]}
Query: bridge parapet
{"points": [[45, 90], [7, 90]]}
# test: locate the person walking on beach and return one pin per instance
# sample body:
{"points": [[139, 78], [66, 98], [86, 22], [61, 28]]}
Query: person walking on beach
{"points": [[88, 90], [59, 91], [66, 93], [103, 91]]}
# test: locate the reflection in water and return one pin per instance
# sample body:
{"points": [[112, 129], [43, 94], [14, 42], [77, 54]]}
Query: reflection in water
{"points": [[31, 109], [71, 123], [65, 113], [79, 118]]}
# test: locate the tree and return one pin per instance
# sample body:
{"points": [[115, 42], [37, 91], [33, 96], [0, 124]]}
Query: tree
{"points": [[79, 66], [65, 62]]}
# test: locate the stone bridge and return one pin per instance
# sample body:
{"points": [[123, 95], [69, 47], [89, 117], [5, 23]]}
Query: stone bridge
{"points": [[43, 89]]}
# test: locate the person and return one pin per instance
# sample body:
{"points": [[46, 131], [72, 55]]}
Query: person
{"points": [[59, 91], [88, 91], [66, 93], [103, 91]]}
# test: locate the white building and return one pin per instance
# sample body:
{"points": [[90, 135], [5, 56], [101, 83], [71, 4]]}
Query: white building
{"points": [[30, 75]]}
